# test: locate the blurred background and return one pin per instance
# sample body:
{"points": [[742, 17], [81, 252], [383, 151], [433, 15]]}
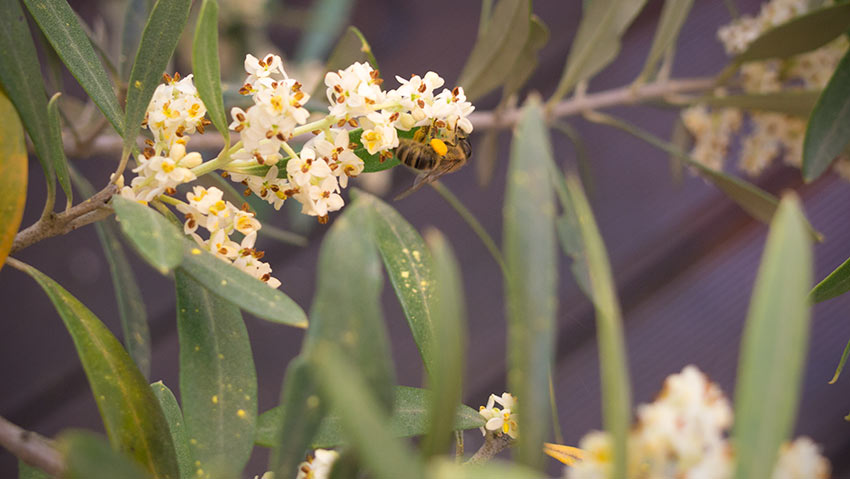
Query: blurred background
{"points": [[684, 256]]}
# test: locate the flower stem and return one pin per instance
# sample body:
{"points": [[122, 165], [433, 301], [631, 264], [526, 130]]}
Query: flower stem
{"points": [[222, 159]]}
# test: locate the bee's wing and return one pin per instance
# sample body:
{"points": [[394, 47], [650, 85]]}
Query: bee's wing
{"points": [[429, 177]]}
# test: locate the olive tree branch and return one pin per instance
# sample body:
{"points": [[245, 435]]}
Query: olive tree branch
{"points": [[32, 448], [55, 224], [493, 444], [484, 120]]}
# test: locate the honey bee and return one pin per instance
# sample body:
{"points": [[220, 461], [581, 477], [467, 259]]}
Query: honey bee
{"points": [[433, 157]]}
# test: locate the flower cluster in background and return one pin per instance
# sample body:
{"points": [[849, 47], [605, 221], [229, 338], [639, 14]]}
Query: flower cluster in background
{"points": [[683, 434], [500, 421], [767, 135], [317, 466], [207, 209], [316, 175]]}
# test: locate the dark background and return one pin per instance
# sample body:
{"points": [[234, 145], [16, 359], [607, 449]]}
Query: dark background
{"points": [[684, 256]]}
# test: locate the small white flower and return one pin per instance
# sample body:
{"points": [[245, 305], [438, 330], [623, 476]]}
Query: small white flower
{"points": [[353, 92], [318, 465], [262, 68], [500, 421], [801, 459], [306, 167], [379, 134]]}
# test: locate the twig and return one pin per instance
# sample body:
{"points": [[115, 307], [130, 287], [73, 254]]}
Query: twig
{"points": [[89, 211], [492, 445], [484, 120], [32, 448]]}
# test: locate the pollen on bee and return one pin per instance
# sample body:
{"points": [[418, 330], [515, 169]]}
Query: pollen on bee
{"points": [[439, 146]]}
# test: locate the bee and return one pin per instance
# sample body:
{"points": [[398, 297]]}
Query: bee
{"points": [[432, 158]]}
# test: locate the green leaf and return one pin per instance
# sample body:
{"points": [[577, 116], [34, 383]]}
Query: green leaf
{"points": [[240, 288], [327, 19], [526, 63], [218, 382], [131, 304], [154, 238], [597, 42], [131, 34], [773, 347], [841, 363], [159, 39], [60, 163], [835, 284], [25, 471], [206, 68], [758, 203], [177, 427], [791, 102], [673, 16], [290, 431], [829, 126], [616, 393], [411, 407], [130, 412], [62, 28], [495, 52], [446, 379], [531, 279], [22, 81], [13, 176], [363, 420], [349, 317], [408, 263], [799, 35], [87, 456], [444, 468]]}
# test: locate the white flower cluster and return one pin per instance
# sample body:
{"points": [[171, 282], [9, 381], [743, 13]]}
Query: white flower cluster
{"points": [[682, 434], [207, 209], [174, 112], [317, 466], [500, 421], [316, 175], [769, 134]]}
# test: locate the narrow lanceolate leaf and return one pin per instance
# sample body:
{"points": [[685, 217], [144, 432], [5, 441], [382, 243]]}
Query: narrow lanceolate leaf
{"points": [[240, 288], [218, 382], [597, 41], [800, 34], [13, 176], [159, 39], [130, 412], [531, 280], [526, 62], [828, 131], [60, 163], [774, 343], [673, 16], [205, 67], [841, 363], [495, 52], [408, 263], [363, 419], [131, 34], [791, 102], [128, 295], [758, 203], [411, 407], [347, 317], [177, 426], [616, 393], [87, 456], [154, 238], [290, 431], [836, 284], [446, 379], [62, 28], [22, 81]]}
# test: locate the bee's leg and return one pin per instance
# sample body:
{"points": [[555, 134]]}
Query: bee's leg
{"points": [[422, 135]]}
